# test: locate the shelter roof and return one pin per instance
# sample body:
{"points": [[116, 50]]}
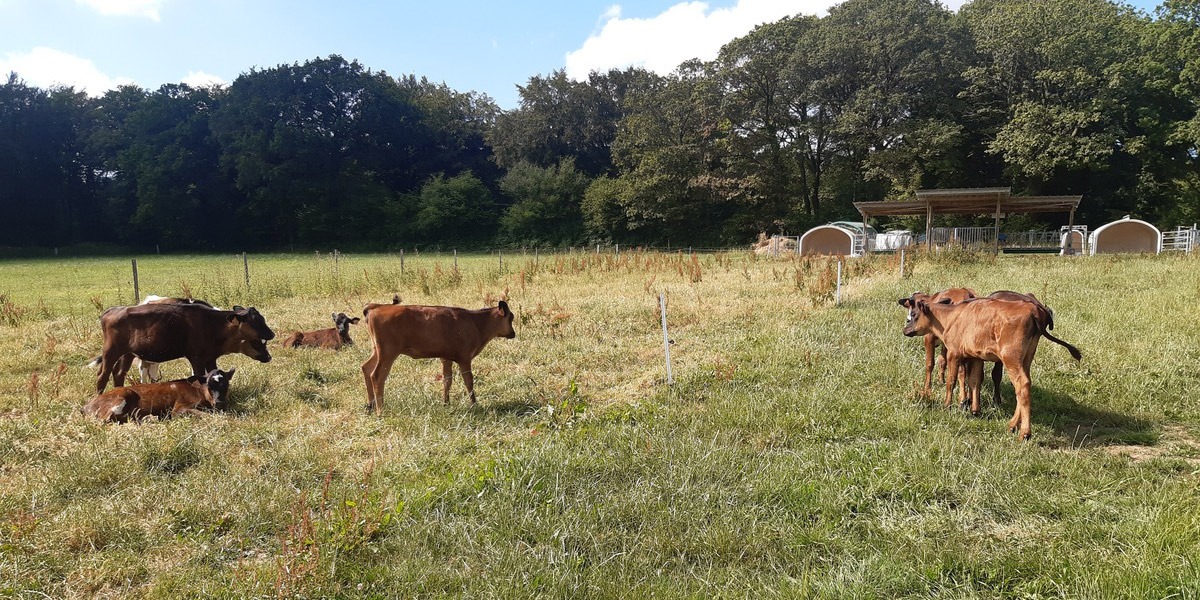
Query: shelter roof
{"points": [[972, 201]]}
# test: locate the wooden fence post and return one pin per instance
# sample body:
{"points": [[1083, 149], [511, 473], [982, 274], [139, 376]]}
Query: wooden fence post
{"points": [[662, 305], [837, 298], [137, 294]]}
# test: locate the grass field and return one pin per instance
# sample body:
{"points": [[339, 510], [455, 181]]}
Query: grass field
{"points": [[792, 457]]}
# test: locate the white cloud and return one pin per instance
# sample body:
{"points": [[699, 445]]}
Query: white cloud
{"points": [[125, 8], [46, 67], [198, 79], [684, 31]]}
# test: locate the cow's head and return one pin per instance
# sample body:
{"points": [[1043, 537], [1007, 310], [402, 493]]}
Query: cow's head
{"points": [[505, 320], [342, 323], [918, 313], [953, 296], [217, 382], [252, 333]]}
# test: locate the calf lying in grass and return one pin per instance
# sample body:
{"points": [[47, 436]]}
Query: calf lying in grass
{"points": [[171, 399], [332, 339]]}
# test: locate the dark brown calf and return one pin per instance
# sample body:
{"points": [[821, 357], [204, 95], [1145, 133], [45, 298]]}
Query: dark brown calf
{"points": [[162, 332], [455, 335], [332, 338], [172, 399], [150, 371], [988, 329]]}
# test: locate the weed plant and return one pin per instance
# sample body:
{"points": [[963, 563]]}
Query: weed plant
{"points": [[793, 457]]}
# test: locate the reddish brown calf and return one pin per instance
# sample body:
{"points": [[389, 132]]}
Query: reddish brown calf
{"points": [[947, 296], [171, 399], [988, 329], [332, 339], [455, 335]]}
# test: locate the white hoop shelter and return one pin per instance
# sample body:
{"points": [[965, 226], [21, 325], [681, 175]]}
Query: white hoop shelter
{"points": [[1073, 239], [1125, 236], [843, 238]]}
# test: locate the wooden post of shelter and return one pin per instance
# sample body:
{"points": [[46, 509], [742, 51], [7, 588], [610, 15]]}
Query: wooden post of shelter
{"points": [[928, 225], [996, 232], [1070, 250]]}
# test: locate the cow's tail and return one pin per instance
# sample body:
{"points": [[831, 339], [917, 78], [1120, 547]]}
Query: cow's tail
{"points": [[1075, 354], [372, 306], [94, 363]]}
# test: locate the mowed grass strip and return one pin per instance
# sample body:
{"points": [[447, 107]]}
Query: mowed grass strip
{"points": [[793, 456]]}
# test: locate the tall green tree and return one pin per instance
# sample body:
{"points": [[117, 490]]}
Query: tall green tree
{"points": [[459, 208], [319, 148], [1069, 90], [545, 203], [46, 182]]}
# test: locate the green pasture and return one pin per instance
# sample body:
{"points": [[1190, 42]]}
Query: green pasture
{"points": [[792, 457]]}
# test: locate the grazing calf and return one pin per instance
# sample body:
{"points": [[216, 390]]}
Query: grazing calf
{"points": [[988, 329], [172, 399], [455, 335], [150, 371], [162, 332], [332, 338]]}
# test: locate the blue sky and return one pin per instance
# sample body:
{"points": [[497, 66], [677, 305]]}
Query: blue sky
{"points": [[481, 45]]}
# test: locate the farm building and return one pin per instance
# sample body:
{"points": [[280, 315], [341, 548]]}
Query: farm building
{"points": [[1126, 236], [845, 238]]}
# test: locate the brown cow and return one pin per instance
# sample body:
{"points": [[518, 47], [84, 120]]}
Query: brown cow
{"points": [[162, 332], [455, 335], [150, 371], [947, 296], [988, 329], [332, 338], [172, 399]]}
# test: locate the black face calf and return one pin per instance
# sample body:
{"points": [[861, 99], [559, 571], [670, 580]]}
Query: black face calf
{"points": [[333, 338], [171, 399]]}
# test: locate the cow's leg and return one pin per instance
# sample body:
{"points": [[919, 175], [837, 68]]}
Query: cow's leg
{"points": [[120, 369], [368, 368], [108, 361], [199, 367], [942, 373], [447, 379], [929, 359], [378, 376], [974, 384], [1023, 385], [951, 376], [468, 379], [997, 370]]}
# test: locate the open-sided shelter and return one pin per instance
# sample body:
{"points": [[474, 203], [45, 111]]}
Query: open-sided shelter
{"points": [[1126, 236], [972, 201]]}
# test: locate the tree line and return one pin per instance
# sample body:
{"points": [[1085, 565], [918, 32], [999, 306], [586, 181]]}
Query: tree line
{"points": [[785, 129]]}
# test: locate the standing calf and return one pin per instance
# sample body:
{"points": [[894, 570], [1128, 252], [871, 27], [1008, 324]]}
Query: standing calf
{"points": [[150, 371], [455, 335], [162, 332], [174, 398], [987, 329], [332, 338]]}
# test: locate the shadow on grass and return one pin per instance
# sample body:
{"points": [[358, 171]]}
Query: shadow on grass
{"points": [[243, 397], [513, 408], [1083, 426]]}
